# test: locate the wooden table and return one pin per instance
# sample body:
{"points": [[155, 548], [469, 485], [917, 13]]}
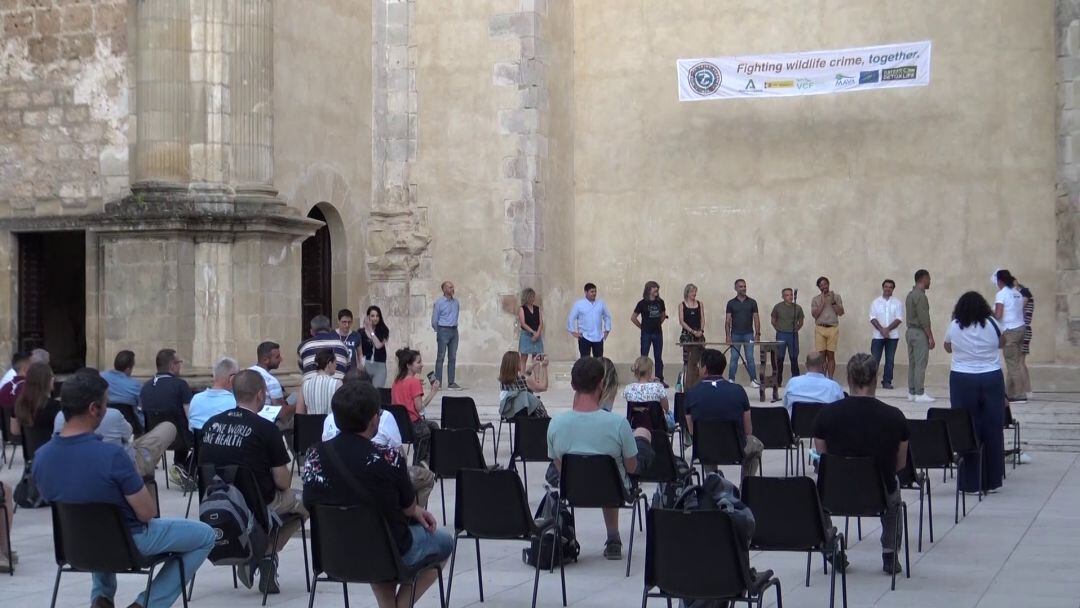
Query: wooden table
{"points": [[767, 352]]}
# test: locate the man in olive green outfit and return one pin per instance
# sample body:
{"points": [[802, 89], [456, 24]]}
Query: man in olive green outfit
{"points": [[920, 340]]}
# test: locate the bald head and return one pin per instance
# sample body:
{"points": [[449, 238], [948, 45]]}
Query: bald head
{"points": [[815, 362], [249, 388]]}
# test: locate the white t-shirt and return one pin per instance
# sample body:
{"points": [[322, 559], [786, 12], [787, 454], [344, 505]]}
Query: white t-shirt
{"points": [[8, 377], [1013, 315], [886, 311], [388, 434], [273, 387], [974, 348]]}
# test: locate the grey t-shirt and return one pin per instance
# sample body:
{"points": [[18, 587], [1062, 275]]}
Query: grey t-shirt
{"points": [[113, 429]]}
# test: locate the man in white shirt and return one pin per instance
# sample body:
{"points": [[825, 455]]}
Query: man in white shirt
{"points": [[589, 323], [886, 314], [1009, 310]]}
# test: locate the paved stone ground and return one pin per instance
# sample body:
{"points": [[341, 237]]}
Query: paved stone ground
{"points": [[1016, 547]]}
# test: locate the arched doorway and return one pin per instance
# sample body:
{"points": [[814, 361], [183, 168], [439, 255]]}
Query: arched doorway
{"points": [[316, 295]]}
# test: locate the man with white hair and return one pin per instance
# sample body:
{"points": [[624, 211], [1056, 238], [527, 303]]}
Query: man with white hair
{"points": [[216, 399]]}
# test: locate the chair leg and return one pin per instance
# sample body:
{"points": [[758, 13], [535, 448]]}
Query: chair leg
{"points": [[307, 568], [779, 597], [921, 496], [843, 585], [442, 492], [929, 504], [562, 567], [525, 475], [150, 581], [273, 564], [480, 570], [442, 598], [453, 558], [832, 580], [183, 584], [644, 598], [7, 535], [311, 593], [858, 526], [536, 581], [165, 466], [345, 593], [234, 584], [907, 542], [630, 552], [809, 555], [56, 585]]}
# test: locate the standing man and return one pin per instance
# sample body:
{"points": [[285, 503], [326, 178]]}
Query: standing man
{"points": [[787, 319], [920, 340], [649, 315], [350, 338], [827, 308], [886, 313], [444, 321], [742, 327], [589, 323]]}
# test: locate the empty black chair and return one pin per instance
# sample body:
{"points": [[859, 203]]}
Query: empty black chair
{"points": [[594, 482], [183, 438], [405, 427], [306, 432], [699, 555], [1012, 424], [33, 438], [92, 537], [678, 407], [788, 517], [384, 396], [803, 415], [460, 413], [963, 437], [647, 414], [931, 448], [716, 443], [911, 478], [772, 426], [491, 505], [852, 487], [451, 451], [338, 533], [7, 440], [529, 445]]}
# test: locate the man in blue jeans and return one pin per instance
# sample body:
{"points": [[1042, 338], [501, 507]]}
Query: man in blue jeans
{"points": [[444, 321], [787, 319], [649, 316], [78, 467], [742, 327]]}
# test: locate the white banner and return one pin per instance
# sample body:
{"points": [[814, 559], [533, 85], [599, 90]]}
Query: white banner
{"points": [[810, 73]]}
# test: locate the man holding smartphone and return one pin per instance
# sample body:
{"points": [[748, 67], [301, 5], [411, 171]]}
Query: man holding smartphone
{"points": [[827, 308]]}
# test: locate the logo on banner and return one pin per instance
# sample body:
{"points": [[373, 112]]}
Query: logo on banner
{"points": [[843, 80], [804, 84], [704, 78], [906, 72], [869, 77], [779, 84]]}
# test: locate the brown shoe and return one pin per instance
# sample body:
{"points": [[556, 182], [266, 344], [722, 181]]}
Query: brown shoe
{"points": [[101, 602]]}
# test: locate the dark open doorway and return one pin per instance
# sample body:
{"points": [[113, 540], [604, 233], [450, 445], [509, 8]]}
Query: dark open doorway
{"points": [[315, 267], [52, 296]]}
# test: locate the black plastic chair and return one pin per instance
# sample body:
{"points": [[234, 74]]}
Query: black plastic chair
{"points": [[92, 537], [182, 441], [7, 530], [491, 505], [336, 535], [716, 443], [460, 413], [852, 487], [788, 517], [647, 414], [594, 482], [963, 437], [384, 396], [529, 445], [772, 426], [678, 408], [129, 414], [33, 438], [7, 440], [911, 478], [931, 448], [451, 451], [405, 427], [803, 415], [1012, 424], [699, 555], [306, 432]]}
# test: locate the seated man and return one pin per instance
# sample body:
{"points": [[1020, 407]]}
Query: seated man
{"points": [[337, 468], [241, 437], [588, 429], [168, 394], [813, 386], [862, 426], [715, 399], [78, 467], [216, 399], [124, 390]]}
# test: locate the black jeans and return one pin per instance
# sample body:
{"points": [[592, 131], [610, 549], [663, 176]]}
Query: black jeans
{"points": [[590, 349], [656, 340]]}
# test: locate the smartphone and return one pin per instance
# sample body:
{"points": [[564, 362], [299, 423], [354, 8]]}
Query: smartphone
{"points": [[431, 377]]}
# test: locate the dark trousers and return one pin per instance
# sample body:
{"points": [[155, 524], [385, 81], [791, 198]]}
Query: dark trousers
{"points": [[790, 346], [983, 396], [422, 433], [656, 340], [888, 346], [590, 349]]}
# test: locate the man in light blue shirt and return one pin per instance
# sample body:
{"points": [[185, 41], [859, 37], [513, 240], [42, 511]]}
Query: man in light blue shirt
{"points": [[444, 321], [216, 399], [122, 387], [813, 386], [590, 323]]}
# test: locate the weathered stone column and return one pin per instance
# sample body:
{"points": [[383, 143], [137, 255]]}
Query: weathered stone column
{"points": [[1067, 301]]}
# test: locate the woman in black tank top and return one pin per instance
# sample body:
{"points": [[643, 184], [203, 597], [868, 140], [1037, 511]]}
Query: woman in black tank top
{"points": [[531, 322], [691, 318]]}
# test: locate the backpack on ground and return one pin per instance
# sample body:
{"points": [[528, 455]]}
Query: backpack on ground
{"points": [[717, 493], [26, 494], [543, 548], [238, 537], [667, 492]]}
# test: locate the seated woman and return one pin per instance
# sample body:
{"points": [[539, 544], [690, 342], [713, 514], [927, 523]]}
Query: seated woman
{"points": [[408, 390], [317, 390], [350, 469], [609, 387], [517, 396], [647, 388], [35, 408]]}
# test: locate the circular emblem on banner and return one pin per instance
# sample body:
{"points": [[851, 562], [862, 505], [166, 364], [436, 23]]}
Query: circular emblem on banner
{"points": [[704, 78]]}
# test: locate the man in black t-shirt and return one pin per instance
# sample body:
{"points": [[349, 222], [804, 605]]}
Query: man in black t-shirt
{"points": [[649, 316], [167, 393], [350, 469], [742, 327], [862, 426], [241, 437]]}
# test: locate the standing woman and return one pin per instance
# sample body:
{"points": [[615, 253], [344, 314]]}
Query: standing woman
{"points": [[531, 321], [649, 316], [1009, 310], [691, 318], [373, 346], [976, 384], [408, 391]]}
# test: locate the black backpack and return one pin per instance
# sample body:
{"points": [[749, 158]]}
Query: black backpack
{"points": [[543, 548], [26, 493], [718, 494], [238, 537]]}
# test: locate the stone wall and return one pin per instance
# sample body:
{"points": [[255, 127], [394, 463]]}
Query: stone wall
{"points": [[1066, 305]]}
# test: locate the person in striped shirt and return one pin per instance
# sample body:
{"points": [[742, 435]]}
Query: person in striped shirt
{"points": [[322, 337], [317, 391]]}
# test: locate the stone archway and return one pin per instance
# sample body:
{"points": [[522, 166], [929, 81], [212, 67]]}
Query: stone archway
{"points": [[323, 275]]}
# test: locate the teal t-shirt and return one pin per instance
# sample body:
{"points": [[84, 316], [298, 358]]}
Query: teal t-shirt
{"points": [[590, 433]]}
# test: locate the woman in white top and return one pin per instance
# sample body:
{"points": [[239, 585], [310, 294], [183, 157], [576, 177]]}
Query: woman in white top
{"points": [[1009, 310], [317, 391], [976, 384], [646, 387]]}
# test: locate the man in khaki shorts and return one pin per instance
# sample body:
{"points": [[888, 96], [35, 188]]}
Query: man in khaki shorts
{"points": [[827, 308]]}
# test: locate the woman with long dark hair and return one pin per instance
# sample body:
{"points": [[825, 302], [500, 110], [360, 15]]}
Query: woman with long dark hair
{"points": [[373, 339], [35, 406], [408, 390], [518, 389], [1009, 310], [976, 385], [649, 316]]}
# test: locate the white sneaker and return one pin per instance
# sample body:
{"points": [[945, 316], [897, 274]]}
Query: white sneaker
{"points": [[754, 384], [910, 397], [924, 398], [1025, 458]]}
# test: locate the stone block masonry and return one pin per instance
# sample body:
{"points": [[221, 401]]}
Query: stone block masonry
{"points": [[1067, 302]]}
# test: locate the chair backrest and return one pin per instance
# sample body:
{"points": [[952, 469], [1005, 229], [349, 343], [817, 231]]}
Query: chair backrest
{"points": [[530, 439], [787, 513], [353, 544], [803, 415], [33, 438], [695, 554], [930, 445], [92, 537], [5, 425], [244, 480], [307, 432], [459, 413], [157, 417], [129, 414], [717, 442], [591, 481], [961, 427], [850, 486], [384, 394], [647, 414], [453, 450], [404, 423], [491, 504], [678, 409], [662, 468], [772, 426]]}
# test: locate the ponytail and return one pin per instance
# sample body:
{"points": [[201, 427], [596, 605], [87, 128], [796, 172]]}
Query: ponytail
{"points": [[1006, 277]]}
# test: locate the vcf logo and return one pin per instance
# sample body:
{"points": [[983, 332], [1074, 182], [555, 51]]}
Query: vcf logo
{"points": [[704, 78]]}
